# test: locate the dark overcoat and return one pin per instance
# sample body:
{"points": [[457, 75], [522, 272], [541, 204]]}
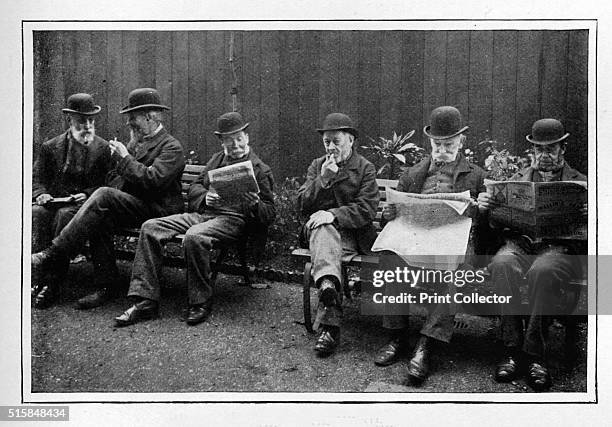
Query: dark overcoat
{"points": [[152, 172], [49, 176], [352, 196]]}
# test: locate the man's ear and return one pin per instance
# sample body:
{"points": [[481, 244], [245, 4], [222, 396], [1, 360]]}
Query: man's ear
{"points": [[462, 140]]}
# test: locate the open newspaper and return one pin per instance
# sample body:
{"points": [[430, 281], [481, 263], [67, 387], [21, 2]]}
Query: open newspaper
{"points": [[231, 182], [429, 231], [540, 210]]}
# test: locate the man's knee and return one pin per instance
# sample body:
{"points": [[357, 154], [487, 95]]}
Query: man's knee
{"points": [[324, 232], [196, 241], [150, 226], [104, 195]]}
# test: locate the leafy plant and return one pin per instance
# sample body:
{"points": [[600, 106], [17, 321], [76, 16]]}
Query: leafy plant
{"points": [[500, 163], [393, 152]]}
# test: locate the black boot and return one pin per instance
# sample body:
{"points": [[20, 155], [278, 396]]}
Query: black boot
{"points": [[418, 368], [390, 352], [509, 367]]}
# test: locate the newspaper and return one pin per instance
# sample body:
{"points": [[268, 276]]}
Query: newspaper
{"points": [[429, 231], [540, 210], [231, 182]]}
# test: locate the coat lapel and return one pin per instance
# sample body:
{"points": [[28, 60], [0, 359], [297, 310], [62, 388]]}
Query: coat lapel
{"points": [[417, 175], [462, 167]]}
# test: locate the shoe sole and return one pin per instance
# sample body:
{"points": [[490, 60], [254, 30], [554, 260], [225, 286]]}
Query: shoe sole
{"points": [[328, 297]]}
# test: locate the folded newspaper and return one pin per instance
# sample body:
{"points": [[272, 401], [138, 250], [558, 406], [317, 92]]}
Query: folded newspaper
{"points": [[231, 182], [429, 231]]}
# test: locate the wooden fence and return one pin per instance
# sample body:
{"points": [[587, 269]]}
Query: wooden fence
{"points": [[288, 81]]}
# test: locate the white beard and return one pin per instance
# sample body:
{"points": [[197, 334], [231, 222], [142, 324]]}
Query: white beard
{"points": [[83, 137]]}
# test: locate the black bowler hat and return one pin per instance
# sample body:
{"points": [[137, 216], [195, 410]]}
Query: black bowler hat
{"points": [[445, 122], [145, 98], [82, 103], [229, 123], [547, 131], [339, 121]]}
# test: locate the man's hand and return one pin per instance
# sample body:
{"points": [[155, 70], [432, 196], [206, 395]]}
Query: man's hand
{"points": [[43, 199], [485, 201], [79, 197], [213, 199], [329, 169], [250, 198], [320, 218], [584, 210], [118, 147], [389, 211]]}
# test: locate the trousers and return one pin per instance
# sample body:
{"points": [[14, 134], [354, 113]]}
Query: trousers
{"points": [[329, 246], [439, 323], [202, 232], [102, 213], [547, 272]]}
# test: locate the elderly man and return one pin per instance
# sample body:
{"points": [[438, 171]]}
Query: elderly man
{"points": [[445, 171], [70, 166], [340, 196], [145, 183], [211, 220], [548, 265]]}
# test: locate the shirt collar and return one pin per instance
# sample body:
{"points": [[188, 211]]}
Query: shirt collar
{"points": [[155, 132]]}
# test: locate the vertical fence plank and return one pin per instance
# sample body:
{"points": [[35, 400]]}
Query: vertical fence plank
{"points": [[180, 89], [163, 72], [480, 92], [196, 74], [434, 75], [146, 59], [348, 88], [390, 83], [270, 101], [99, 84], [554, 74], [215, 63], [529, 79], [458, 70], [411, 83], [308, 63], [329, 64], [369, 83], [115, 97], [289, 99], [504, 87], [576, 121], [250, 91]]}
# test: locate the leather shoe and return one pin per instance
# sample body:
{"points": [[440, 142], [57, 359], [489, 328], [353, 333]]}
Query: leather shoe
{"points": [[538, 377], [45, 297], [328, 341], [389, 353], [198, 313], [96, 299], [45, 259], [418, 367], [143, 310], [507, 370]]}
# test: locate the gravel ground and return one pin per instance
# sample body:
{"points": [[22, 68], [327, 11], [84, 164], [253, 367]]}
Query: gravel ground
{"points": [[252, 342]]}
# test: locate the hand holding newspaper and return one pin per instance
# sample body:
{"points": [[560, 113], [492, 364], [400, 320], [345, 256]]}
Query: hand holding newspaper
{"points": [[231, 182], [430, 230]]}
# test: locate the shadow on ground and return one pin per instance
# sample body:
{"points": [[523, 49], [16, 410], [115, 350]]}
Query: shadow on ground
{"points": [[252, 342]]}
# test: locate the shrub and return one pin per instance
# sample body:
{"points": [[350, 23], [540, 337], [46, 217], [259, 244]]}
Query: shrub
{"points": [[392, 156], [500, 163]]}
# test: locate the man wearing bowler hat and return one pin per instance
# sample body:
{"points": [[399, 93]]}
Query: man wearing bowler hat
{"points": [[340, 197], [548, 266], [444, 171], [145, 183], [210, 220], [69, 168]]}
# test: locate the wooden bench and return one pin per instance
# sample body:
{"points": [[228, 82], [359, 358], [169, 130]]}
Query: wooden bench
{"points": [[190, 174], [363, 260]]}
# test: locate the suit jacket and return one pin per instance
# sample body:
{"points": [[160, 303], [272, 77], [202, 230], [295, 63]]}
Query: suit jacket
{"points": [[49, 175], [352, 196], [467, 176], [152, 172], [261, 214]]}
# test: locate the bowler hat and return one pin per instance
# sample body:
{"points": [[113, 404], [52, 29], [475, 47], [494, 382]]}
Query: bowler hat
{"points": [[547, 131], [445, 122], [145, 98], [339, 121], [229, 123], [82, 103]]}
